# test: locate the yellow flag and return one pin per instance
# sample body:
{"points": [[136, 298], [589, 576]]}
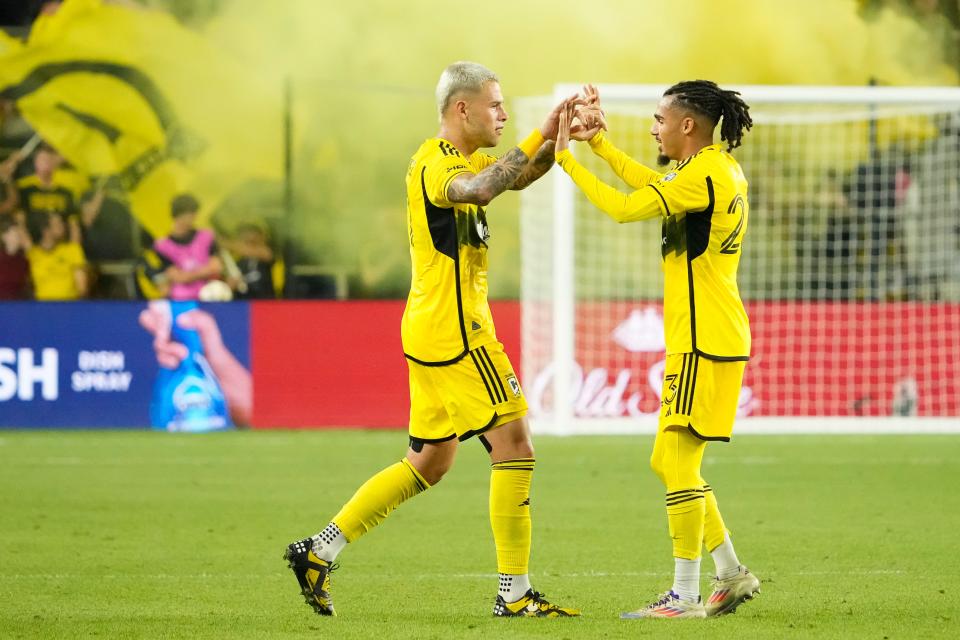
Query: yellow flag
{"points": [[8, 44], [129, 92]]}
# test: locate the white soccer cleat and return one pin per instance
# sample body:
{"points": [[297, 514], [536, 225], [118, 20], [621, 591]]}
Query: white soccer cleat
{"points": [[669, 605], [730, 593]]}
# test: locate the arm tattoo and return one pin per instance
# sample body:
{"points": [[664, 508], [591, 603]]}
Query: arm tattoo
{"points": [[540, 164], [491, 182]]}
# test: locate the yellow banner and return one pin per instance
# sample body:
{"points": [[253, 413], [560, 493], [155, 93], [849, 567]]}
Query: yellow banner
{"points": [[129, 92]]}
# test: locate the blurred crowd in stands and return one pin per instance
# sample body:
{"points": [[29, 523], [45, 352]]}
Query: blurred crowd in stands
{"points": [[66, 236]]}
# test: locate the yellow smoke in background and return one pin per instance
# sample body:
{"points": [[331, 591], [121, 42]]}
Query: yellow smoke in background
{"points": [[363, 75]]}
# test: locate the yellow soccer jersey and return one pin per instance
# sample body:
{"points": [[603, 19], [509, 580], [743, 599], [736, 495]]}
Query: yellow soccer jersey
{"points": [[37, 198], [702, 202], [447, 313], [53, 271]]}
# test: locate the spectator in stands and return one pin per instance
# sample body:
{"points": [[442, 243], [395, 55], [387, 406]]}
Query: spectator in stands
{"points": [[7, 169], [254, 260], [108, 226], [836, 280], [47, 190], [875, 191], [57, 265], [109, 236], [188, 255], [150, 282], [14, 268]]}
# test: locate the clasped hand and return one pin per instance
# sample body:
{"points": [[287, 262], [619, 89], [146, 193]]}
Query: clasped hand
{"points": [[579, 118]]}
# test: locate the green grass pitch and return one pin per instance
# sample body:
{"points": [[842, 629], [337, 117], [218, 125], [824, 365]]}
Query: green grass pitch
{"points": [[143, 535]]}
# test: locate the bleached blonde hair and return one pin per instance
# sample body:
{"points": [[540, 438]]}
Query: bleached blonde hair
{"points": [[458, 77]]}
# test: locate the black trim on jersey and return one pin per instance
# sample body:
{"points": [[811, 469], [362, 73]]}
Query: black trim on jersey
{"points": [[707, 438], [417, 443], [442, 224], [489, 377], [448, 149], [693, 306], [486, 443], [693, 383], [441, 363], [678, 399], [681, 385], [662, 199], [476, 432], [698, 233], [699, 223], [476, 362], [710, 356], [688, 381], [496, 374]]}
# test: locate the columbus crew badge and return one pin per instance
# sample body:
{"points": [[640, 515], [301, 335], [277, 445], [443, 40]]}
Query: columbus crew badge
{"points": [[514, 385]]}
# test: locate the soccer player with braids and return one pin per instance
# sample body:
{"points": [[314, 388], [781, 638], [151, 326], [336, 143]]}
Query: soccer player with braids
{"points": [[701, 202], [461, 382]]}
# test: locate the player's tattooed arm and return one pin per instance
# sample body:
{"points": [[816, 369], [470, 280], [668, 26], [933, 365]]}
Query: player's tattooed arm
{"points": [[489, 183], [540, 164]]}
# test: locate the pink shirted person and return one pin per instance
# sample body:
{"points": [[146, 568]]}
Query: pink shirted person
{"points": [[190, 255]]}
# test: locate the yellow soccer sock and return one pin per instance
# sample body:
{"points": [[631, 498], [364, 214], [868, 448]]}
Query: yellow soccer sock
{"points": [[681, 456], [377, 497], [510, 513], [713, 528], [685, 515]]}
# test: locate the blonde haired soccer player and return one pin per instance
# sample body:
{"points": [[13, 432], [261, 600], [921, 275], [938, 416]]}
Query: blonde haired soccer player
{"points": [[461, 382], [702, 205]]}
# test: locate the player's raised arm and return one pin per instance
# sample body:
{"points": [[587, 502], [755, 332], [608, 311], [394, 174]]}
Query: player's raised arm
{"points": [[592, 116], [640, 205], [545, 156], [516, 169], [483, 187], [538, 165]]}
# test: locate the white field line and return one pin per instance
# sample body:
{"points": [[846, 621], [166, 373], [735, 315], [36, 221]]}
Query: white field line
{"points": [[759, 461], [416, 576]]}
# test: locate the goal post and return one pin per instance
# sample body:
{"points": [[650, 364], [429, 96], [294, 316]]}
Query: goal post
{"points": [[850, 271]]}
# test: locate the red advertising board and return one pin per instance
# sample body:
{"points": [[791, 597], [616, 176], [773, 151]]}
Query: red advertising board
{"points": [[808, 359], [340, 363], [855, 358]]}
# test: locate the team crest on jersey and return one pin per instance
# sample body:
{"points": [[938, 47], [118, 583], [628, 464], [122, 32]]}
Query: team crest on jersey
{"points": [[514, 385], [670, 176], [482, 229]]}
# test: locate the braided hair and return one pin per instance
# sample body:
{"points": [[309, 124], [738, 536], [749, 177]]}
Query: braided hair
{"points": [[707, 99]]}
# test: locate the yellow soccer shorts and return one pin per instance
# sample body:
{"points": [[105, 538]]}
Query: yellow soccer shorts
{"points": [[460, 400], [701, 395]]}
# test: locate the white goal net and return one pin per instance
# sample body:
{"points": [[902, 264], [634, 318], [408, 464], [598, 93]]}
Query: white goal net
{"points": [[850, 270]]}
